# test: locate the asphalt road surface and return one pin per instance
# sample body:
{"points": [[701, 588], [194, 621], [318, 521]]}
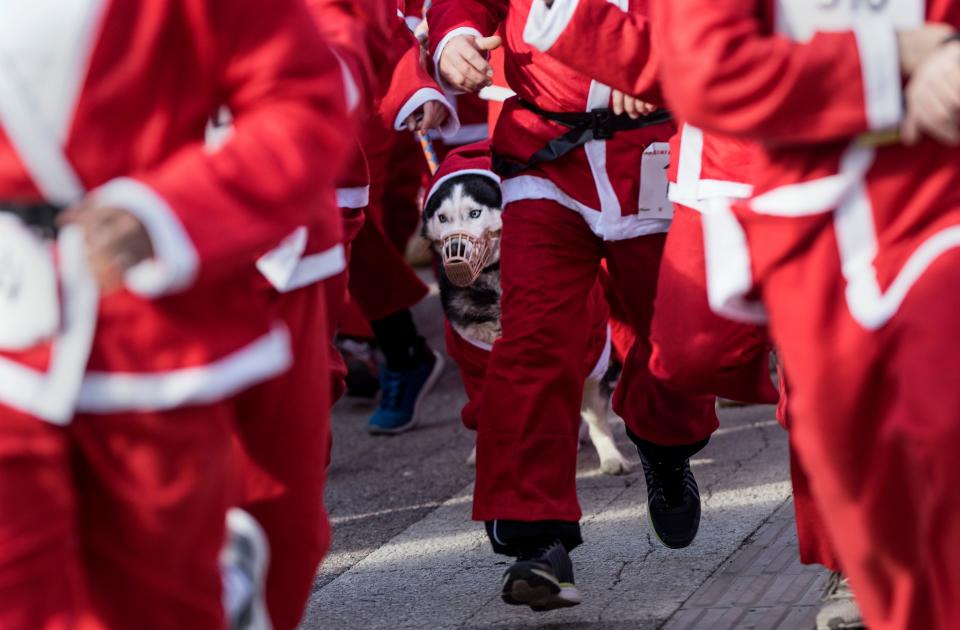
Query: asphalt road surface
{"points": [[406, 555]]}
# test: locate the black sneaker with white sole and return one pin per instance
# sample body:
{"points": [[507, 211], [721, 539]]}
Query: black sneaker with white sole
{"points": [[673, 501], [541, 579]]}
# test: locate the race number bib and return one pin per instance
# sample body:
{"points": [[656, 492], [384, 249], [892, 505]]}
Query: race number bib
{"points": [[29, 308], [800, 19], [653, 182]]}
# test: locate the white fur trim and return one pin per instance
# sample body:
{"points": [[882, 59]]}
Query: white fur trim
{"points": [[857, 241], [35, 143], [463, 30], [880, 65], [354, 198], [545, 24], [466, 171], [350, 90], [268, 356], [279, 264], [476, 343], [689, 165], [817, 195], [711, 188], [729, 276], [175, 262], [288, 269], [468, 134], [603, 362], [533, 187], [52, 395], [419, 98], [316, 267]]}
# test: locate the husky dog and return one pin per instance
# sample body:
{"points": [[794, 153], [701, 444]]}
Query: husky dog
{"points": [[462, 218]]}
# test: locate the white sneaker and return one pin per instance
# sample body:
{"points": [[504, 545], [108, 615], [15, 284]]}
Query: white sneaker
{"points": [[244, 560]]}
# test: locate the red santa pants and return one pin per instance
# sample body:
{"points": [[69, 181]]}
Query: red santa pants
{"points": [[115, 521], [472, 358], [336, 301], [381, 281], [530, 409], [694, 349], [698, 351], [284, 433], [875, 422]]}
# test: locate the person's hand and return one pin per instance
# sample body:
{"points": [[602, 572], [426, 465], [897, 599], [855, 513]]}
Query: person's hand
{"points": [[116, 241], [933, 98], [915, 45], [430, 116], [633, 107], [463, 62]]}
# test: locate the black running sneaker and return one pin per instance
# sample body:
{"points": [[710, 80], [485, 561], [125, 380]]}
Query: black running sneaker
{"points": [[673, 501], [541, 579]]}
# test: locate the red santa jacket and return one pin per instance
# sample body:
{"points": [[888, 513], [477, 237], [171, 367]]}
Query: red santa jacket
{"points": [[601, 180], [389, 60], [807, 80], [118, 94], [598, 39], [380, 61]]}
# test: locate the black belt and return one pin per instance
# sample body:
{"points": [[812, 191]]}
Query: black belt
{"points": [[597, 124], [40, 216]]}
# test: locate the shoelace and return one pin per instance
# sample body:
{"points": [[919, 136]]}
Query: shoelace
{"points": [[667, 483], [392, 394], [538, 552]]}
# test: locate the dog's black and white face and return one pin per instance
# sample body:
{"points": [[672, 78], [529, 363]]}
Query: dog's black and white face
{"points": [[470, 204]]}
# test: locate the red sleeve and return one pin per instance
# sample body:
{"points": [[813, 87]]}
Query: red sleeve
{"points": [[410, 87], [449, 18], [598, 39], [350, 33], [721, 71], [283, 87]]}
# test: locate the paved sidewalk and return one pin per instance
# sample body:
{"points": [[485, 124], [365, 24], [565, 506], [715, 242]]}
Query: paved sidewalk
{"points": [[763, 586]]}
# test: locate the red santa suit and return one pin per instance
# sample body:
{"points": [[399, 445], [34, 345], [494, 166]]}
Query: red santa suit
{"points": [[694, 349], [284, 432], [561, 218], [852, 249], [115, 424], [722, 357]]}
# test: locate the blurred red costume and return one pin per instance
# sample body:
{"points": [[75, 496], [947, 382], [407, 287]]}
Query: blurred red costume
{"points": [[115, 517], [561, 218], [852, 248]]}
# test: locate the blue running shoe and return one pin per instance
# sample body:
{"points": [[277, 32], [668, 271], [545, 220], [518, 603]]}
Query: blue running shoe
{"points": [[402, 394]]}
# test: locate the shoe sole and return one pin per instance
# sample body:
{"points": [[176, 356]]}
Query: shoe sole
{"points": [[538, 590], [427, 386]]}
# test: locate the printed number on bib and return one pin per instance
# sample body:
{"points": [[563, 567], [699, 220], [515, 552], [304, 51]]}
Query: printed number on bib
{"points": [[800, 19], [29, 308], [653, 182]]}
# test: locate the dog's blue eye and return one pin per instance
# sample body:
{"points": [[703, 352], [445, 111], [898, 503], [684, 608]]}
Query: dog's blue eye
{"points": [[475, 214], [442, 218]]}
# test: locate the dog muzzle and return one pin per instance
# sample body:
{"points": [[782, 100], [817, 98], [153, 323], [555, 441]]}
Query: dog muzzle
{"points": [[465, 256]]}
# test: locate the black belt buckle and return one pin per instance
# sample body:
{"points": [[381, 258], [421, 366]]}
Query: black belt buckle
{"points": [[603, 123]]}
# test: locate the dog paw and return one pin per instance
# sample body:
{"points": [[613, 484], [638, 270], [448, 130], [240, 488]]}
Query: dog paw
{"points": [[615, 466]]}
